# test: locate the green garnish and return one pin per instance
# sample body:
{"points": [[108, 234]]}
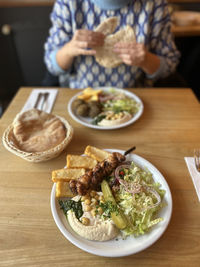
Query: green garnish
{"points": [[70, 204], [98, 118], [108, 207]]}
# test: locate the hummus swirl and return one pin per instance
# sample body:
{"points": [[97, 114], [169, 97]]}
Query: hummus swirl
{"points": [[100, 231], [112, 122]]}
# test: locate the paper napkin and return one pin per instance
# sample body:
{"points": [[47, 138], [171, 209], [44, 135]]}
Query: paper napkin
{"points": [[33, 97], [195, 175]]}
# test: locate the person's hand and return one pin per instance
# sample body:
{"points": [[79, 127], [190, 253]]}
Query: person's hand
{"points": [[136, 54], [133, 54], [84, 42]]}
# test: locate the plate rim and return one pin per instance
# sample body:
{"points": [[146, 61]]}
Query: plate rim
{"points": [[125, 124], [91, 250]]}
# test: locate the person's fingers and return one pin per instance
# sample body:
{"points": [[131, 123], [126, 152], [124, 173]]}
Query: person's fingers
{"points": [[125, 57], [87, 35], [122, 51], [82, 48], [86, 52]]}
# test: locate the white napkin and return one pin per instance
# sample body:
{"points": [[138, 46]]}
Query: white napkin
{"points": [[195, 175], [33, 97]]}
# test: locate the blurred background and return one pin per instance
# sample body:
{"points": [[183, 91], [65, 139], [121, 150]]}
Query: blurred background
{"points": [[24, 27]]}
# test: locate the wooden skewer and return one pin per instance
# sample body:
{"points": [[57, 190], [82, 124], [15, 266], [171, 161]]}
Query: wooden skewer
{"points": [[129, 150]]}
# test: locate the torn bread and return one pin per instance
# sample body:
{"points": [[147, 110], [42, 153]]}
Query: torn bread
{"points": [[96, 153], [63, 190], [65, 175], [105, 55], [76, 161], [108, 26]]}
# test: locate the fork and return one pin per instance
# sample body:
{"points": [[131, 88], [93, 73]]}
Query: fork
{"points": [[44, 97], [197, 159]]}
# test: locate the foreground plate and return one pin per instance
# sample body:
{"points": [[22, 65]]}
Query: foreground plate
{"points": [[87, 121], [118, 248]]}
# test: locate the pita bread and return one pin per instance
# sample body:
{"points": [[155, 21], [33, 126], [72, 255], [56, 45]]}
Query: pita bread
{"points": [[104, 54], [108, 26], [38, 131]]}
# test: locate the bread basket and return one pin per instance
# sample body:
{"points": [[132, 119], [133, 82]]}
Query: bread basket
{"points": [[37, 156]]}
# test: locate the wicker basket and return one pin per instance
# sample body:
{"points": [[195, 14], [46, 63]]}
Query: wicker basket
{"points": [[37, 156]]}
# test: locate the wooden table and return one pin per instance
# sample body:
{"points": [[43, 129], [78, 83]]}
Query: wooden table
{"points": [[168, 130]]}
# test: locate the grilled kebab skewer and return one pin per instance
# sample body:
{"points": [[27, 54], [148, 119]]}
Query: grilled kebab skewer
{"points": [[93, 178]]}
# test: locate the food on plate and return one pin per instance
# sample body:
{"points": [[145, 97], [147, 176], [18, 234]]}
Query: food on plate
{"points": [[116, 215], [93, 178], [63, 190], [126, 203], [37, 131], [87, 104], [104, 54], [76, 103], [138, 197], [90, 224], [66, 174], [87, 109], [112, 118], [94, 108], [96, 153], [77, 161], [112, 107], [82, 110], [89, 94]]}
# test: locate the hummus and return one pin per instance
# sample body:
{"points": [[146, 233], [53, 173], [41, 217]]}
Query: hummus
{"points": [[113, 119], [98, 229]]}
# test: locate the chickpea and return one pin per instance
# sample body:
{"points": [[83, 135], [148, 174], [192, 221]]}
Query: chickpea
{"points": [[94, 201], [93, 193], [100, 210], [97, 197], [85, 220], [87, 208], [83, 198], [120, 115], [87, 201], [101, 198]]}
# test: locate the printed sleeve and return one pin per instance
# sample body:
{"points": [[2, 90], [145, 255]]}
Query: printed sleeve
{"points": [[59, 34], [162, 40]]}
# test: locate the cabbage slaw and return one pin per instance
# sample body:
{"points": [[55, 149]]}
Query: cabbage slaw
{"points": [[139, 198], [118, 102]]}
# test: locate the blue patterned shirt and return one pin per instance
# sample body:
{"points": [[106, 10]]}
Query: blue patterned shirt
{"points": [[151, 22]]}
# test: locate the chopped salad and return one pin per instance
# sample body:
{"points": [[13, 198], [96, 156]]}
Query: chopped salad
{"points": [[115, 102], [138, 198]]}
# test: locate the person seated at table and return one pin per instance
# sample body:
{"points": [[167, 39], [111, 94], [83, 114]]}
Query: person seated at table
{"points": [[70, 46]]}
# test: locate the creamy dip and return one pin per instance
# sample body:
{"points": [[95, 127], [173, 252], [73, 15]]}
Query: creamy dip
{"points": [[112, 120], [98, 229]]}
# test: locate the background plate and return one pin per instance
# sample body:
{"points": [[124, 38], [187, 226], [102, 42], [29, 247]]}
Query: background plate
{"points": [[87, 121], [118, 248]]}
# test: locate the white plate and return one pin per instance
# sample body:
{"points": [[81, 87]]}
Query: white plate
{"points": [[118, 248], [86, 121]]}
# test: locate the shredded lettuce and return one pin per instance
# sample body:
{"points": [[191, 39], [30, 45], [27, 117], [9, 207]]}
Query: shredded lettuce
{"points": [[139, 208], [118, 105]]}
